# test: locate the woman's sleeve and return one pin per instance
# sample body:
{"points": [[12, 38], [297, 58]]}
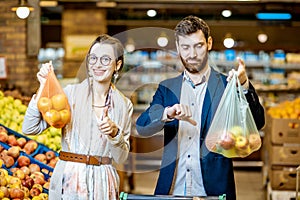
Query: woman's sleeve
{"points": [[120, 143], [33, 122]]}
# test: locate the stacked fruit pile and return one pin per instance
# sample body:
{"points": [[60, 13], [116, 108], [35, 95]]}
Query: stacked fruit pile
{"points": [[286, 110], [12, 112], [20, 185], [16, 144], [51, 137], [26, 159]]}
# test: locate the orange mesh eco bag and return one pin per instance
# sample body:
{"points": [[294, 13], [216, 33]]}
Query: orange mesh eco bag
{"points": [[53, 103]]}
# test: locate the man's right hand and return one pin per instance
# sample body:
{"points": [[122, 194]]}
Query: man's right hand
{"points": [[181, 112]]}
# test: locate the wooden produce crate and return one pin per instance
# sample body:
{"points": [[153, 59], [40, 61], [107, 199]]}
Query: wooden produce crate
{"points": [[286, 154], [280, 194], [283, 178], [283, 131]]}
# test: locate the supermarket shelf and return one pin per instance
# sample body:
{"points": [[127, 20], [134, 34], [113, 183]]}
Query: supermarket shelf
{"points": [[280, 194]]}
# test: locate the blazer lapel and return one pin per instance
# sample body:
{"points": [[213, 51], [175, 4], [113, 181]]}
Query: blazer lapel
{"points": [[215, 88]]}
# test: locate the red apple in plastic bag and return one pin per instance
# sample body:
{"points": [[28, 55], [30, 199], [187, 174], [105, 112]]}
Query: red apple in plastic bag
{"points": [[254, 141], [227, 141]]}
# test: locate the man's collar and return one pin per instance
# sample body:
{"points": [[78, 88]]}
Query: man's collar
{"points": [[204, 78]]}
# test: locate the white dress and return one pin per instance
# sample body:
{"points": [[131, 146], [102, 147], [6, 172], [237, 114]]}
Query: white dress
{"points": [[78, 181]]}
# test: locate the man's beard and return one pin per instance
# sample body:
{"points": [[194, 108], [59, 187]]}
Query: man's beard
{"points": [[197, 67]]}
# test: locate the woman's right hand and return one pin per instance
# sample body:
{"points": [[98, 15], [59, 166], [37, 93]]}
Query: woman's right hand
{"points": [[43, 73]]}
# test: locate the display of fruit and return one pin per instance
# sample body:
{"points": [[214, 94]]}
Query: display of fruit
{"points": [[286, 110], [41, 157], [51, 137], [235, 143], [23, 161], [55, 110], [18, 143], [20, 186], [30, 146], [12, 155], [8, 160], [12, 111]]}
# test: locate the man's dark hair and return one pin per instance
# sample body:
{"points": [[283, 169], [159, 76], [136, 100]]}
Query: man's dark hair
{"points": [[191, 24]]}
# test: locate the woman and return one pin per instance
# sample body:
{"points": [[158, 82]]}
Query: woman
{"points": [[98, 132]]}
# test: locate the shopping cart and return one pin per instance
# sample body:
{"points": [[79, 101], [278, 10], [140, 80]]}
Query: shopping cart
{"points": [[126, 196]]}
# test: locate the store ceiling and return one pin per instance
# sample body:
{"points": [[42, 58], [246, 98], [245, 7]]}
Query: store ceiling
{"points": [[243, 25]]}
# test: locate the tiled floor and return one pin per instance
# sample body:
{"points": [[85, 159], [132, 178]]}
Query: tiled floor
{"points": [[249, 184]]}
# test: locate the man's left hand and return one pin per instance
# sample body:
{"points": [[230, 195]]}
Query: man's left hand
{"points": [[242, 75]]}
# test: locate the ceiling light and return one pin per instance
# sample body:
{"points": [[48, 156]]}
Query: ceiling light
{"points": [[273, 16], [262, 37], [22, 9], [228, 42], [226, 13], [106, 4], [130, 46], [162, 40], [48, 3], [151, 13]]}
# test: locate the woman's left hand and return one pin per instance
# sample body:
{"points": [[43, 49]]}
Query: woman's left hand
{"points": [[106, 125]]}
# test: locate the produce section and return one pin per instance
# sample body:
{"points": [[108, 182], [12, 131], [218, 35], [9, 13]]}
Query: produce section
{"points": [[12, 109], [12, 112], [27, 162], [273, 68], [282, 147]]}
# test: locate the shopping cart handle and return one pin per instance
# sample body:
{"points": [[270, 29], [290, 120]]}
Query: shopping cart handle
{"points": [[126, 196]]}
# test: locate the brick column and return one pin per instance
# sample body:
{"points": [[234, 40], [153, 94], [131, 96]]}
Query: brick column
{"points": [[80, 22], [13, 47]]}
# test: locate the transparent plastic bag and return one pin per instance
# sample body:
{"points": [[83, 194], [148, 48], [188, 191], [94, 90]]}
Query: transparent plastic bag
{"points": [[233, 131], [53, 103]]}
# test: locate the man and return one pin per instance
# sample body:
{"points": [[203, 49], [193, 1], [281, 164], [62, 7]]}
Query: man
{"points": [[184, 107]]}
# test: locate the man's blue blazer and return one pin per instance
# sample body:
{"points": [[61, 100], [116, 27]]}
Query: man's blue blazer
{"points": [[217, 170]]}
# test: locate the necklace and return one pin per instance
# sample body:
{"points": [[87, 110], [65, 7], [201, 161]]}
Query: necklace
{"points": [[107, 101], [98, 106]]}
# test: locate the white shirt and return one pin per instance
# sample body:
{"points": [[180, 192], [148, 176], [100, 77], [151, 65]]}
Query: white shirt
{"points": [[188, 180]]}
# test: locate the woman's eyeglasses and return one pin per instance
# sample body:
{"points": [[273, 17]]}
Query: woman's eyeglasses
{"points": [[104, 60]]}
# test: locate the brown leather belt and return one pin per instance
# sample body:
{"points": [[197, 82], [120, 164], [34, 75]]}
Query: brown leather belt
{"points": [[89, 160]]}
